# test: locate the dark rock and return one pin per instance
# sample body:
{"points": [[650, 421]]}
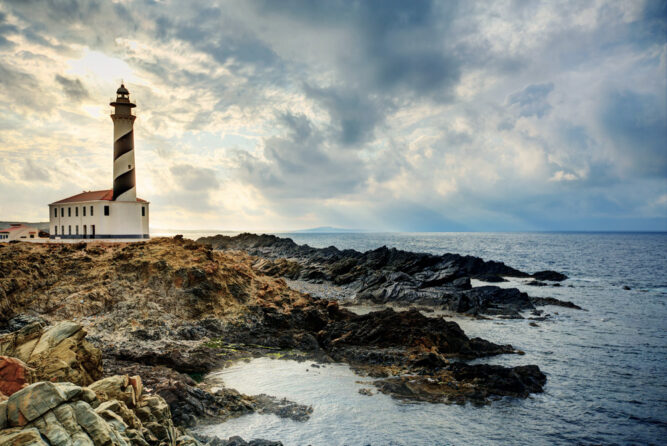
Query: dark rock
{"points": [[430, 361], [492, 300], [389, 329], [553, 276], [536, 283], [462, 283], [283, 408], [554, 301], [21, 320], [498, 380], [461, 382]]}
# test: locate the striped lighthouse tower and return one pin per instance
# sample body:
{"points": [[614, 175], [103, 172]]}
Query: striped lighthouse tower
{"points": [[124, 183]]}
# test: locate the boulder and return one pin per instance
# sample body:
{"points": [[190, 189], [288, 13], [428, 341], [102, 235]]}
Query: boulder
{"points": [[153, 411], [119, 408], [14, 375], [55, 335], [54, 414], [57, 353], [553, 276], [32, 402], [24, 437], [115, 388]]}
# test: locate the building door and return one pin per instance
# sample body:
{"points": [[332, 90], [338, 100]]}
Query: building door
{"points": [[92, 231]]}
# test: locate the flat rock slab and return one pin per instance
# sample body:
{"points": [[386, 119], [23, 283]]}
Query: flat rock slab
{"points": [[32, 402]]}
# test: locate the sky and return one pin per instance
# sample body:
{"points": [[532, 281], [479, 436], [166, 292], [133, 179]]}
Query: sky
{"points": [[380, 115]]}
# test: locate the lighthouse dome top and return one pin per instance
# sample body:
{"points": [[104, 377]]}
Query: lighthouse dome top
{"points": [[122, 90]]}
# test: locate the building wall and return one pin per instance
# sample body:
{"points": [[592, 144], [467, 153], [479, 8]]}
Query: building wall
{"points": [[23, 234], [125, 220]]}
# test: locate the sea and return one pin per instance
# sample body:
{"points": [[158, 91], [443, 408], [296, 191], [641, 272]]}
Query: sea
{"points": [[606, 365]]}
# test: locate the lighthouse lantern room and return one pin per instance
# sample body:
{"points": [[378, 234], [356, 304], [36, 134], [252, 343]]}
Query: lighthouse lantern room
{"points": [[111, 214]]}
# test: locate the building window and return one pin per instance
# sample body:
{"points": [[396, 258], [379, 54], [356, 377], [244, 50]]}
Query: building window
{"points": [[69, 212], [106, 210], [143, 211], [84, 210], [62, 229], [55, 212], [62, 212], [77, 229], [76, 211], [91, 210], [69, 229], [32, 235], [85, 230], [55, 230], [92, 231]]}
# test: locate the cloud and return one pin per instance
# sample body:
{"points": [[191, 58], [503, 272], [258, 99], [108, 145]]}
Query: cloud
{"points": [[73, 88], [354, 115], [302, 164], [31, 172], [397, 115], [637, 127], [532, 100], [194, 179]]}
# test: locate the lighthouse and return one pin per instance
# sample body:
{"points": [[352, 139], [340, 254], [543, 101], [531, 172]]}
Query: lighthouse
{"points": [[110, 214], [124, 182]]}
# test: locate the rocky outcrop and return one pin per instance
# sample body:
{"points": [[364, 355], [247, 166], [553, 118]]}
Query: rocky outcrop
{"points": [[47, 413], [387, 275], [389, 329], [452, 383], [57, 353], [170, 310]]}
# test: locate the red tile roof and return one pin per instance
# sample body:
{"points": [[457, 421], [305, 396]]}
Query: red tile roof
{"points": [[94, 195]]}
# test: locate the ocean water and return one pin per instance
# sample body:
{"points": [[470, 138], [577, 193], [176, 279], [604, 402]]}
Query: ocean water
{"points": [[606, 366]]}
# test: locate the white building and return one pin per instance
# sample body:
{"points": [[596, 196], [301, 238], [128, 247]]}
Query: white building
{"points": [[18, 231], [112, 214]]}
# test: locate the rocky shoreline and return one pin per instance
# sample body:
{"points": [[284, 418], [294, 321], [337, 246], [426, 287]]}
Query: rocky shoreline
{"points": [[391, 276], [166, 312]]}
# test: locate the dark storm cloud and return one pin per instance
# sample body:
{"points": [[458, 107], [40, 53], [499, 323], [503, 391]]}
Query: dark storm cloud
{"points": [[229, 41], [93, 23], [73, 88], [301, 164], [354, 115], [398, 45], [24, 89]]}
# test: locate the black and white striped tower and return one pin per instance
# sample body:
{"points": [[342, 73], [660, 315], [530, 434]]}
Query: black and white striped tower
{"points": [[124, 183]]}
